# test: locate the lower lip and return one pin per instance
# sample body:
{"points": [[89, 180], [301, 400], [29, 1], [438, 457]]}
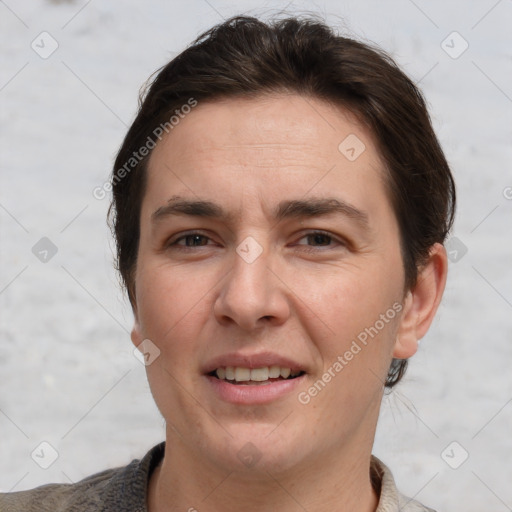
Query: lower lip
{"points": [[253, 394]]}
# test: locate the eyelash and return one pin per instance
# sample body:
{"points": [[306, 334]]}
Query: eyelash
{"points": [[313, 233]]}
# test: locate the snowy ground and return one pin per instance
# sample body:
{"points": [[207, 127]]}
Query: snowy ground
{"points": [[67, 372]]}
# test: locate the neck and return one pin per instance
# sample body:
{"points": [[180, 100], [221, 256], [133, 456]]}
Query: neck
{"points": [[338, 479]]}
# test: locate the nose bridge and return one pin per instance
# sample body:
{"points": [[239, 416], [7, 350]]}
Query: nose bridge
{"points": [[248, 283], [250, 291]]}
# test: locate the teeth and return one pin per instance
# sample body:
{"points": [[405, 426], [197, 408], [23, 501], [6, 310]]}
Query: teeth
{"points": [[240, 374], [274, 372], [259, 374]]}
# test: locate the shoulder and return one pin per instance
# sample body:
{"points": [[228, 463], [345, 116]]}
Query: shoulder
{"points": [[84, 495], [122, 488], [391, 500]]}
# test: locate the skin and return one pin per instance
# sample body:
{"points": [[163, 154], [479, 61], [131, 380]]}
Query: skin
{"points": [[305, 298]]}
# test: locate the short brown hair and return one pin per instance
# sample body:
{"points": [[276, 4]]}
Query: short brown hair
{"points": [[244, 56]]}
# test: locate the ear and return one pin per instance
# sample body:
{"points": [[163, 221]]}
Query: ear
{"points": [[421, 303], [136, 333]]}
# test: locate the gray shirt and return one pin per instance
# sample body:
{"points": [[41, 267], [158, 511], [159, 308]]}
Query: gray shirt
{"points": [[125, 490]]}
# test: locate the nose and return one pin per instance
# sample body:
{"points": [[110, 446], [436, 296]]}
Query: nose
{"points": [[252, 295]]}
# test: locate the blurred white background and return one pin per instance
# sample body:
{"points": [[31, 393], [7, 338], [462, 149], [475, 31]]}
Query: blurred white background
{"points": [[67, 370]]}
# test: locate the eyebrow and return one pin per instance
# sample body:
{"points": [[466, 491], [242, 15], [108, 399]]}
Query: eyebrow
{"points": [[298, 208], [316, 207], [177, 205]]}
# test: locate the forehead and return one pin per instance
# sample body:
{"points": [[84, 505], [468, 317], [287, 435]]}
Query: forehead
{"points": [[264, 148], [269, 123]]}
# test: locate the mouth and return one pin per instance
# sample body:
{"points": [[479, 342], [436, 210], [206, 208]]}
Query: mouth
{"points": [[253, 379], [265, 375]]}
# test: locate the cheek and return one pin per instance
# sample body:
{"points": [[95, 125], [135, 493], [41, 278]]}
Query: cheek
{"points": [[359, 318], [353, 296], [171, 314], [356, 350], [171, 310]]}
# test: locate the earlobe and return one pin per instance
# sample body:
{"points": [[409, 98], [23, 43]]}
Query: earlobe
{"points": [[136, 332], [421, 303], [406, 343]]}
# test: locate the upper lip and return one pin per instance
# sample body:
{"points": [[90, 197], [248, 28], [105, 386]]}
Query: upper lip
{"points": [[251, 361]]}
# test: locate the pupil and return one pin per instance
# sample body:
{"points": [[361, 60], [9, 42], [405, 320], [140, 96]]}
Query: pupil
{"points": [[319, 238], [192, 239]]}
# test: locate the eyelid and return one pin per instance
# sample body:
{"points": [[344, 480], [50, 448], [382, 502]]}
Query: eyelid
{"points": [[332, 236], [179, 236], [172, 241]]}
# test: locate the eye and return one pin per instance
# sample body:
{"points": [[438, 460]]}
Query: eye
{"points": [[189, 240], [321, 239], [318, 238]]}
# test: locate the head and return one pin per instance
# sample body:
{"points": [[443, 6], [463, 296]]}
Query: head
{"points": [[276, 123]]}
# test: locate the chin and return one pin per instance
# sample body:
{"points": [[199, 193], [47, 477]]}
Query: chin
{"points": [[258, 449]]}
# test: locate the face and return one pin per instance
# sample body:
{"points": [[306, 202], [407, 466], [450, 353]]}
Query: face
{"points": [[268, 249]]}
